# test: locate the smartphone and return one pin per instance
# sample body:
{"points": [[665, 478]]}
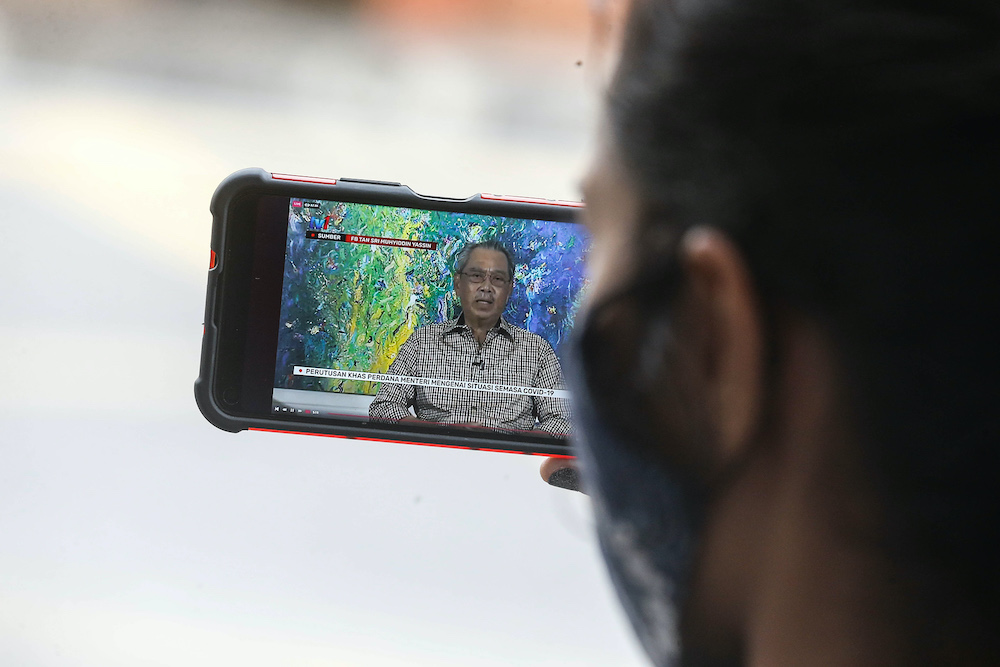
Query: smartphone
{"points": [[350, 308]]}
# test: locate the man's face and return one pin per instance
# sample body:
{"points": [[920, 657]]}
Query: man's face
{"points": [[483, 302], [700, 409], [649, 528]]}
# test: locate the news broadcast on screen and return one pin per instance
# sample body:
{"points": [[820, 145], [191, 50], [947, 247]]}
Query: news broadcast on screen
{"points": [[360, 279]]}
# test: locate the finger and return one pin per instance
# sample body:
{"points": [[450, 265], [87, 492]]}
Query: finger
{"points": [[561, 473]]}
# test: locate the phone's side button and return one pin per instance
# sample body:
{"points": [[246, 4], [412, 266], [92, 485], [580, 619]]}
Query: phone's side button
{"points": [[304, 179], [367, 181], [212, 260]]}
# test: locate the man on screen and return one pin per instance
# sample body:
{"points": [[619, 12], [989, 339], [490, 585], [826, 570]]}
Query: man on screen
{"points": [[478, 346]]}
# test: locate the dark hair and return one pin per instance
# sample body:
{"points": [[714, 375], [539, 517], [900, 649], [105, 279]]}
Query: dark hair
{"points": [[852, 151], [462, 256]]}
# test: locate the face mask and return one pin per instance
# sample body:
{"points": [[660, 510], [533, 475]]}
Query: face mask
{"points": [[647, 520]]}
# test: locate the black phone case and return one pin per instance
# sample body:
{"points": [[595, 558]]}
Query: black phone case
{"points": [[358, 191]]}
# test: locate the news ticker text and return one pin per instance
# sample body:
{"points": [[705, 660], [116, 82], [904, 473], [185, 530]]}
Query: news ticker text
{"points": [[466, 385]]}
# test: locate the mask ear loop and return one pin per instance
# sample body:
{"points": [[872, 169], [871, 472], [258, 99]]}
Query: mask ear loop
{"points": [[662, 243], [651, 356]]}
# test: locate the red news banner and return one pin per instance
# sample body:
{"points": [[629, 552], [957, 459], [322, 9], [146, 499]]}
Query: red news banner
{"points": [[370, 240]]}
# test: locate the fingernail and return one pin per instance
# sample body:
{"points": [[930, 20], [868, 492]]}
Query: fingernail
{"points": [[565, 478]]}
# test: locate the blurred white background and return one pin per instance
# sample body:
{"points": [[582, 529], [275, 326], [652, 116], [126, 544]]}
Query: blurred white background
{"points": [[134, 533]]}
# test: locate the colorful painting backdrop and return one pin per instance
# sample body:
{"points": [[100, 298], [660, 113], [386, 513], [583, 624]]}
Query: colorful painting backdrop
{"points": [[350, 306]]}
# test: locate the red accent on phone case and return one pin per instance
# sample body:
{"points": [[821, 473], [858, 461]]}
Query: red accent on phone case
{"points": [[211, 261], [304, 179], [412, 442], [533, 200]]}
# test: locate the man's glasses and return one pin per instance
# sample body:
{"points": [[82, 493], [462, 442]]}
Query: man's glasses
{"points": [[496, 279]]}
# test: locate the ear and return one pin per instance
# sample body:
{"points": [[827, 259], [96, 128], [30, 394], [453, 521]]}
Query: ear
{"points": [[728, 326]]}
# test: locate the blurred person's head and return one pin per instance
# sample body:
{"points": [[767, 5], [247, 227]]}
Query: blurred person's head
{"points": [[484, 273], [793, 442]]}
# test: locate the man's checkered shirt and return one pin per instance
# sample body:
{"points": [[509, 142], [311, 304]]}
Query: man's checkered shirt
{"points": [[510, 355]]}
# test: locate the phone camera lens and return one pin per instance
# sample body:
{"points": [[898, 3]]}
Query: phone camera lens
{"points": [[230, 396]]}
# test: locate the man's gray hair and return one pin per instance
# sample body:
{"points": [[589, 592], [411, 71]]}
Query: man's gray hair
{"points": [[462, 257]]}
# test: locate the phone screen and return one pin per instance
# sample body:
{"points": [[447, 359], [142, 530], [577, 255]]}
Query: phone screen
{"points": [[367, 311]]}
